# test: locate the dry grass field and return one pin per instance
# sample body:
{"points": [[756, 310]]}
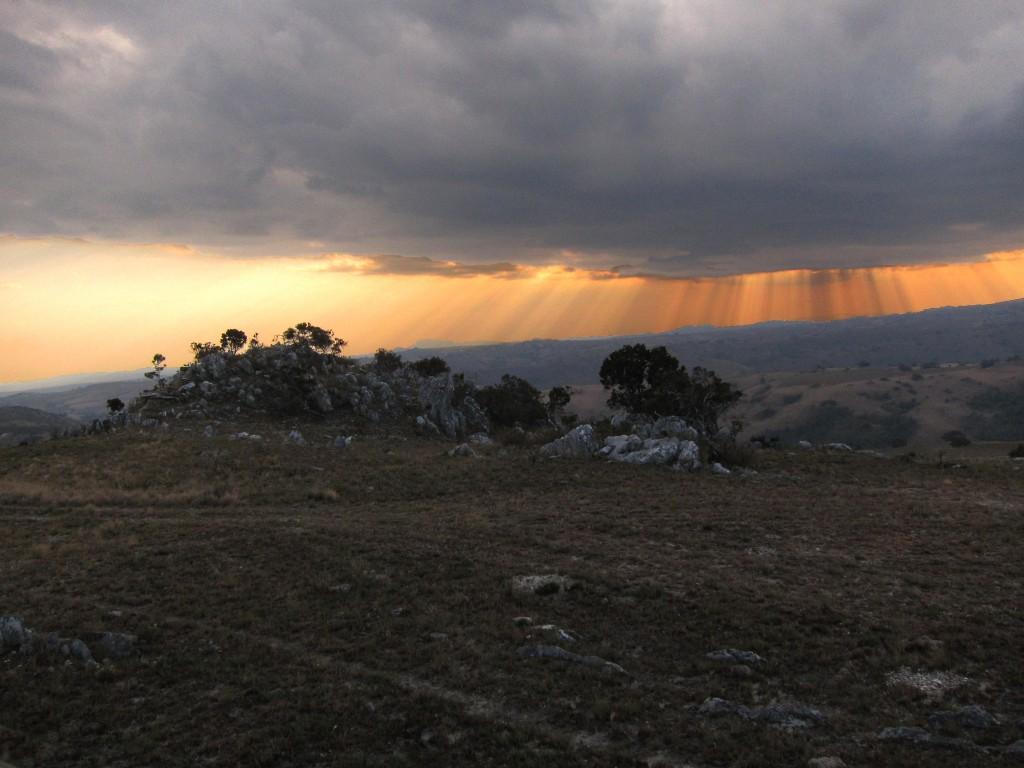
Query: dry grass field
{"points": [[308, 606]]}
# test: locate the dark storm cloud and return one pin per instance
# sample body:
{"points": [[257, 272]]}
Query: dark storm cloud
{"points": [[684, 136], [390, 264]]}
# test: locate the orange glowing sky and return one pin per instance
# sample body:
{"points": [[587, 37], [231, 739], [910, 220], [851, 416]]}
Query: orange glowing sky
{"points": [[69, 306]]}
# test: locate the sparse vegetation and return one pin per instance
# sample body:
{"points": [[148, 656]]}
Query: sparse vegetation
{"points": [[282, 591]]}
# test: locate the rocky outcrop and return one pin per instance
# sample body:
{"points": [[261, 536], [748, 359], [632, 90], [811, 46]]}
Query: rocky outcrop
{"points": [[288, 380], [579, 443]]}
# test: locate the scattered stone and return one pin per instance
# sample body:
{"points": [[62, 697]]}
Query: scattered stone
{"points": [[804, 445], [578, 443], [13, 633], [438, 636], [1017, 748], [522, 621], [208, 431], [462, 450], [718, 469], [342, 441], [688, 459], [114, 645], [826, 762], [295, 438], [340, 588], [734, 656], [654, 450], [841, 447], [673, 426], [546, 584], [633, 449], [741, 670], [425, 426], [480, 438], [564, 635], [932, 685], [77, 649], [554, 652], [791, 715], [972, 716], [922, 737]]}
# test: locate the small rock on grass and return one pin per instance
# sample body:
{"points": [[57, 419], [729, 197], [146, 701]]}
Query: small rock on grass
{"points": [[971, 716], [826, 762], [560, 654], [791, 715], [735, 656], [541, 584]]}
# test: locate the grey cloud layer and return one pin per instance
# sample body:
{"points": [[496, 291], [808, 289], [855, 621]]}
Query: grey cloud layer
{"points": [[690, 135]]}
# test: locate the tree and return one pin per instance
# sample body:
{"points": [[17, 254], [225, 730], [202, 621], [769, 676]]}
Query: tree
{"points": [[233, 340], [386, 360], [652, 382], [313, 337], [159, 362], [430, 366], [640, 378], [558, 399], [115, 405], [511, 402]]}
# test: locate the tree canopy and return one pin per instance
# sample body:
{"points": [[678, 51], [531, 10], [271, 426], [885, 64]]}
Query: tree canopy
{"points": [[652, 382]]}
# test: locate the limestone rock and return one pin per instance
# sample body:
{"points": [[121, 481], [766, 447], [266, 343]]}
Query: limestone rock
{"points": [[734, 656], [541, 584], [579, 443]]}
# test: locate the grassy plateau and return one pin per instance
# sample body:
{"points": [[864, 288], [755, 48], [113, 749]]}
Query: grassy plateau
{"points": [[313, 606]]}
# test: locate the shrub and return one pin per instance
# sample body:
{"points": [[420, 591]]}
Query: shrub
{"points": [[514, 401], [201, 349], [733, 453], [430, 366], [1018, 452], [956, 438], [314, 337], [387, 360], [115, 405]]}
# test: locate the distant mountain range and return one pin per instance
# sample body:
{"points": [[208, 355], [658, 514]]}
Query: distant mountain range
{"points": [[948, 335]]}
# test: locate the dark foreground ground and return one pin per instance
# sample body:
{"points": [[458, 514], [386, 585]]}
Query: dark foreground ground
{"points": [[319, 607]]}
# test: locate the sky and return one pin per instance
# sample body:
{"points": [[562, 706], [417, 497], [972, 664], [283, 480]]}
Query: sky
{"points": [[467, 170]]}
